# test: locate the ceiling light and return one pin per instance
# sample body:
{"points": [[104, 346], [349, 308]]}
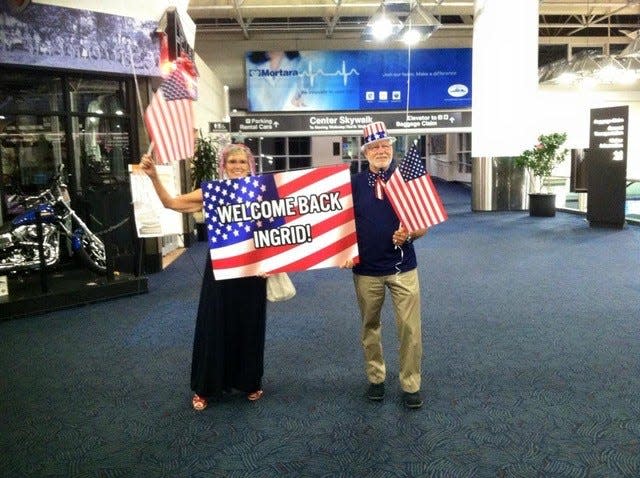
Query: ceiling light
{"points": [[411, 37], [381, 25], [584, 63], [632, 50], [609, 69], [562, 72], [631, 67], [418, 26], [566, 78], [587, 83], [551, 71]]}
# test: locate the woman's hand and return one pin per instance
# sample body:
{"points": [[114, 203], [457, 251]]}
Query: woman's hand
{"points": [[148, 166], [348, 264]]}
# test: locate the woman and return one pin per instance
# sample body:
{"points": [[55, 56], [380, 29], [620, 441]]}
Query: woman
{"points": [[228, 347]]}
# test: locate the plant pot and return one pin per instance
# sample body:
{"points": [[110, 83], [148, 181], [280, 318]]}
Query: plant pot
{"points": [[542, 205], [201, 231]]}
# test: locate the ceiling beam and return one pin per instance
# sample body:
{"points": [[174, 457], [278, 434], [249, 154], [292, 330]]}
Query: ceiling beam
{"points": [[237, 4], [331, 24]]}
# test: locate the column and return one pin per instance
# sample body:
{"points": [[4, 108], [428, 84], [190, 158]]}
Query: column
{"points": [[504, 86]]}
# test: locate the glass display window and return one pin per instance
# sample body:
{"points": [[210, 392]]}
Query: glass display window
{"points": [[25, 93], [100, 97], [100, 128], [101, 149], [31, 150]]}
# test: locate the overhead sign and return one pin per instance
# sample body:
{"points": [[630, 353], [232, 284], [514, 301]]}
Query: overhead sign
{"points": [[370, 80], [218, 127], [347, 123]]}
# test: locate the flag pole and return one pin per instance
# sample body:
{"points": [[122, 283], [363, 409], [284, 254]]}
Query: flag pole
{"points": [[139, 98], [408, 80]]}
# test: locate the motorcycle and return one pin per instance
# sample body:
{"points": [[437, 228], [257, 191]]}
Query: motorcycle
{"points": [[19, 244]]}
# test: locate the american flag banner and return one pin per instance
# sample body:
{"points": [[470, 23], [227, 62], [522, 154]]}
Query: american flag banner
{"points": [[290, 221], [169, 119], [412, 194]]}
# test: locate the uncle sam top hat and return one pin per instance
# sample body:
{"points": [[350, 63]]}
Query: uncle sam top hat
{"points": [[375, 132]]}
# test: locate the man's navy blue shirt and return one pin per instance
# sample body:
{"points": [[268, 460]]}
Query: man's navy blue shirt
{"points": [[375, 224]]}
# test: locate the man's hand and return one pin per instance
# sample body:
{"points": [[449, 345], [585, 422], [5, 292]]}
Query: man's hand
{"points": [[400, 236]]}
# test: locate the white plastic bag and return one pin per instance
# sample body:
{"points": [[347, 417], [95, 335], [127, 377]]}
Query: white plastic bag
{"points": [[280, 287]]}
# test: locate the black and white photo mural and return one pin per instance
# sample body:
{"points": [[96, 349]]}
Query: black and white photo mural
{"points": [[69, 38]]}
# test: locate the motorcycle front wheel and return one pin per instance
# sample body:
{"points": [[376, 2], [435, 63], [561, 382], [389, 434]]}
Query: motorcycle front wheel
{"points": [[92, 255]]}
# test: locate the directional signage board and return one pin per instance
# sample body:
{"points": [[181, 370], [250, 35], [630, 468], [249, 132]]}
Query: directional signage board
{"points": [[347, 123], [218, 127], [606, 161]]}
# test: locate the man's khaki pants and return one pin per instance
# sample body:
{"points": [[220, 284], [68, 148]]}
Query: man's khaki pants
{"points": [[405, 293]]}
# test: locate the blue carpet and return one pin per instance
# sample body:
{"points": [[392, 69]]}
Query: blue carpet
{"points": [[531, 334]]}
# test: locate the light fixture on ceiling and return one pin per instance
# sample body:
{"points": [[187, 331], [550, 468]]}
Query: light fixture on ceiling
{"points": [[549, 72], [633, 49], [418, 26], [589, 68], [381, 25], [582, 65], [611, 71], [632, 67]]}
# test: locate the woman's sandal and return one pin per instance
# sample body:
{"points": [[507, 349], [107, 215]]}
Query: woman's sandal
{"points": [[253, 396], [199, 403]]}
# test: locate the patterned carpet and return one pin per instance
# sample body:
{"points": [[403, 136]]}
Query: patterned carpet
{"points": [[531, 333]]}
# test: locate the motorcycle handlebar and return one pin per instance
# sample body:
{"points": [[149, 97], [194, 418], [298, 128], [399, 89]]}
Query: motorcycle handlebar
{"points": [[56, 180]]}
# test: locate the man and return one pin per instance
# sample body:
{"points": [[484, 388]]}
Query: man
{"points": [[387, 260]]}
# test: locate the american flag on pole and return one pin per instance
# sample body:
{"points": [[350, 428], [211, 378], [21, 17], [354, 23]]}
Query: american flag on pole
{"points": [[169, 119], [413, 195], [291, 221]]}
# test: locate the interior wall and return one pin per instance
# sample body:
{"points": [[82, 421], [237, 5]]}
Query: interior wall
{"points": [[210, 105], [569, 110]]}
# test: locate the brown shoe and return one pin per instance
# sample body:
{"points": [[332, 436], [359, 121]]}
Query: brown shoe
{"points": [[253, 396], [199, 403]]}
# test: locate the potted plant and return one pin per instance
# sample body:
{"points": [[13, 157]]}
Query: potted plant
{"points": [[204, 167], [539, 162]]}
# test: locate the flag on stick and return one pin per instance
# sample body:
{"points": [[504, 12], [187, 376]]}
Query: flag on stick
{"points": [[290, 221], [169, 119], [412, 194]]}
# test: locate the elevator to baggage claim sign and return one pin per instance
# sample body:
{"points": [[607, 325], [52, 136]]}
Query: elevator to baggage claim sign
{"points": [[347, 123]]}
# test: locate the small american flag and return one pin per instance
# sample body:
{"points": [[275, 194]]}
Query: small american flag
{"points": [[413, 195], [291, 221], [169, 119]]}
